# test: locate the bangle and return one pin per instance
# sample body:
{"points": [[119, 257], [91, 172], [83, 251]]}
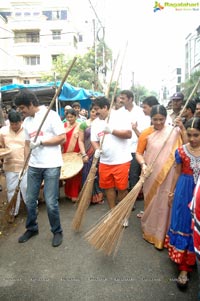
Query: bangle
{"points": [[170, 193], [84, 155]]}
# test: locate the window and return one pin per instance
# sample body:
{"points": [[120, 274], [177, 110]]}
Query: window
{"points": [[178, 71], [26, 81], [54, 57], [56, 15], [80, 38], [5, 82], [179, 79], [32, 60], [56, 34], [27, 37]]}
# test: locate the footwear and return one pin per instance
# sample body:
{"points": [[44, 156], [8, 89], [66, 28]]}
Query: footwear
{"points": [[57, 239], [125, 223], [27, 235], [139, 215], [182, 280]]}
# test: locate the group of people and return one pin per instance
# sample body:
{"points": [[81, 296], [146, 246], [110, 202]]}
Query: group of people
{"points": [[126, 139]]}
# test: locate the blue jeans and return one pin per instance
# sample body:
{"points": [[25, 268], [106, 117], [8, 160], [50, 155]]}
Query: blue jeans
{"points": [[35, 176]]}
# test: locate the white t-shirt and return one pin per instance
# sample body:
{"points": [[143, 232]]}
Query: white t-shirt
{"points": [[115, 150], [44, 156], [136, 115]]}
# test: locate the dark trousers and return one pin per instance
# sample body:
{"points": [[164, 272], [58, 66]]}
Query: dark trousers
{"points": [[134, 172]]}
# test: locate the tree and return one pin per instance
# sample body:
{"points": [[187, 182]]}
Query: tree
{"points": [[140, 92], [189, 85], [86, 70]]}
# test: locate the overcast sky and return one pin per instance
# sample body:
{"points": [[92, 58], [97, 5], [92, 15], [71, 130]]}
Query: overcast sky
{"points": [[155, 39]]}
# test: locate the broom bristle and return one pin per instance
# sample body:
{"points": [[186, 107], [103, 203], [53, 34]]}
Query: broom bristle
{"points": [[10, 209], [106, 235], [84, 199]]}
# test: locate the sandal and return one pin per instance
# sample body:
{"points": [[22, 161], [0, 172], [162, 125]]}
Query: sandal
{"points": [[139, 215], [182, 280]]}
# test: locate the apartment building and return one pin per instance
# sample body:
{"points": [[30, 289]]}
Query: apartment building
{"points": [[192, 53], [32, 35]]}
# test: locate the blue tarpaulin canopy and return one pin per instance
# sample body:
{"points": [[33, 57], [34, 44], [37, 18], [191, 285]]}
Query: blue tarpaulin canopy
{"points": [[68, 92]]}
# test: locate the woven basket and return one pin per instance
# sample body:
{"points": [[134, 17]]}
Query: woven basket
{"points": [[72, 164]]}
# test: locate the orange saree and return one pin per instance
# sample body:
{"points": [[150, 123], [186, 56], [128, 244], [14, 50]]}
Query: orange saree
{"points": [[156, 217]]}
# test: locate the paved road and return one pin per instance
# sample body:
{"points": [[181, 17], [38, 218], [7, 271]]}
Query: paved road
{"points": [[75, 271]]}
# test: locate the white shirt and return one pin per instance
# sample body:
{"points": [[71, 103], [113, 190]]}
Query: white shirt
{"points": [[44, 156], [115, 149], [136, 115]]}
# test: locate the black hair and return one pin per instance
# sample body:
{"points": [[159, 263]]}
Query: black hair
{"points": [[91, 107], [14, 116], [76, 104], [158, 109], [115, 98], [26, 97], [191, 105], [128, 93], [70, 111], [194, 123], [102, 102], [150, 101]]}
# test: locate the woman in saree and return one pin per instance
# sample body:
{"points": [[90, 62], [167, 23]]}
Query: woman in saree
{"points": [[72, 185], [87, 152], [162, 140]]}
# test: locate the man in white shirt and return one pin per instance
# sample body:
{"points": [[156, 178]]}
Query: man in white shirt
{"points": [[139, 122], [44, 163], [115, 156]]}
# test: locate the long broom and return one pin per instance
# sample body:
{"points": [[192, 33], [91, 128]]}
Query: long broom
{"points": [[10, 209], [86, 191], [106, 235]]}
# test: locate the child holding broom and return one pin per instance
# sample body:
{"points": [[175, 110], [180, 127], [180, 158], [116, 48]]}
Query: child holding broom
{"points": [[179, 239]]}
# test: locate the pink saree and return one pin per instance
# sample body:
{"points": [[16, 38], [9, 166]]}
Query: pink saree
{"points": [[156, 217]]}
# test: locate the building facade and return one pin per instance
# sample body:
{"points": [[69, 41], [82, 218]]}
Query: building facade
{"points": [[32, 36], [192, 53]]}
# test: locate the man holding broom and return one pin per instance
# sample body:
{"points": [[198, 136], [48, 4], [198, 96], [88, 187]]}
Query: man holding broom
{"points": [[44, 163], [114, 153]]}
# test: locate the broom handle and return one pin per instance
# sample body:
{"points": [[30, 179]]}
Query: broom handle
{"points": [[190, 97], [113, 96], [181, 113], [45, 116], [111, 78]]}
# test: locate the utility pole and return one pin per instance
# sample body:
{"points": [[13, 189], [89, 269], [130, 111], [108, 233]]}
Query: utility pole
{"points": [[95, 57]]}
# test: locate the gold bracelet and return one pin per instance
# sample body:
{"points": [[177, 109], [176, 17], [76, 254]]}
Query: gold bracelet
{"points": [[170, 193]]}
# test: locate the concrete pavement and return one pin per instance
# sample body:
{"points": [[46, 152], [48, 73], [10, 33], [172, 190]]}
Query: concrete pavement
{"points": [[75, 271]]}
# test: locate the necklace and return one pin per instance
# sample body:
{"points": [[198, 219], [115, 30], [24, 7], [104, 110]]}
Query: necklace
{"points": [[193, 150]]}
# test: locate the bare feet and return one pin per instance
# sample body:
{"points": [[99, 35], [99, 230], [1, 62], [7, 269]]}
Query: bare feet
{"points": [[183, 279]]}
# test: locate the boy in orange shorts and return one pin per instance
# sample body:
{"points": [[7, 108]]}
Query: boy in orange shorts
{"points": [[115, 155]]}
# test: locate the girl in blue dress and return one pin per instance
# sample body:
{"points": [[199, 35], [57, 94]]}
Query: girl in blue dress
{"points": [[179, 239]]}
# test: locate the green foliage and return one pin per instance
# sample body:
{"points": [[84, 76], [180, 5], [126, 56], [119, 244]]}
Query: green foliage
{"points": [[140, 92], [85, 71], [189, 85]]}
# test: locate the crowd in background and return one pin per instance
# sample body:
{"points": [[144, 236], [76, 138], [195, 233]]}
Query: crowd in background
{"points": [[125, 139]]}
